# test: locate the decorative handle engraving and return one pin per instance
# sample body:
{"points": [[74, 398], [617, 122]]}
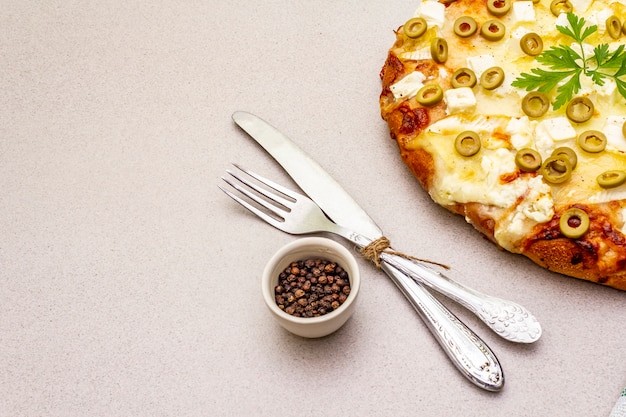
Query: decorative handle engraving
{"points": [[508, 319], [467, 351]]}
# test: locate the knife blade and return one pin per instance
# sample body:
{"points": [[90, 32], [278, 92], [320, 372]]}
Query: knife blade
{"points": [[468, 352], [310, 176]]}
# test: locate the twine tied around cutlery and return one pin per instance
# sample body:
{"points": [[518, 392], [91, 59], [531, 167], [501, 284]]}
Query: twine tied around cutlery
{"points": [[372, 253]]}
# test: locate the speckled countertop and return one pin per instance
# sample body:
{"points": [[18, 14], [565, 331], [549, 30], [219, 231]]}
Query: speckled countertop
{"points": [[130, 285]]}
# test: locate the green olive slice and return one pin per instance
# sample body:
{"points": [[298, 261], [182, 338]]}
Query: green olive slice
{"points": [[569, 153], [614, 27], [531, 44], [415, 27], [492, 30], [624, 129], [574, 223], [499, 7], [553, 172], [492, 78], [467, 143], [592, 141], [535, 104], [528, 160], [465, 26], [560, 6], [463, 77], [429, 95], [439, 50], [611, 179], [580, 109]]}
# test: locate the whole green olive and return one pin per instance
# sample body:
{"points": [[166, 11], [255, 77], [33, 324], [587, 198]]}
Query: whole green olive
{"points": [[611, 179], [528, 160], [592, 141], [492, 78], [531, 44], [574, 223], [580, 109], [415, 27], [492, 30], [566, 152], [439, 50], [467, 143], [553, 172], [463, 77], [535, 104], [465, 26], [560, 6], [429, 95], [614, 27], [499, 7]]}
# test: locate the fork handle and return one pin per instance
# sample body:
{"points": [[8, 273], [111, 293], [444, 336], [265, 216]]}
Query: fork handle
{"points": [[465, 349]]}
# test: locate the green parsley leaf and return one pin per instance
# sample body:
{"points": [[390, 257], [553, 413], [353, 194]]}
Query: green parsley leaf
{"points": [[566, 65]]}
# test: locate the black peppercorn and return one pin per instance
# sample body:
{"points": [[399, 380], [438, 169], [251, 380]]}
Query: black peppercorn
{"points": [[311, 287]]}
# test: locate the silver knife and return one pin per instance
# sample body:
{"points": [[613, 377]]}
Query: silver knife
{"points": [[508, 319], [466, 350]]}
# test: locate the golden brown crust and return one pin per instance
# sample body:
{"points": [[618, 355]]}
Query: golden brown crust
{"points": [[599, 256], [566, 257]]}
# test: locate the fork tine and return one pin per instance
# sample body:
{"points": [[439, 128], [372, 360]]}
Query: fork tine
{"points": [[283, 190], [264, 191], [269, 219], [274, 209]]}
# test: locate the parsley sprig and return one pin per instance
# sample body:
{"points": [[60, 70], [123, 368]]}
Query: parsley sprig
{"points": [[566, 65]]}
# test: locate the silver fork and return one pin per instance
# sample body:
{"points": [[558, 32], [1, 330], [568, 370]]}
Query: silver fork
{"points": [[295, 213]]}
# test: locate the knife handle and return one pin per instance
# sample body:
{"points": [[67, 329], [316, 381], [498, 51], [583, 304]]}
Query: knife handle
{"points": [[465, 349], [506, 318]]}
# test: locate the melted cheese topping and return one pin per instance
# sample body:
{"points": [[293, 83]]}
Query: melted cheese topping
{"points": [[491, 177]]}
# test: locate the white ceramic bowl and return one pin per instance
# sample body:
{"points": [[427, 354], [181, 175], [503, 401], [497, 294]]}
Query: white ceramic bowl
{"points": [[304, 248]]}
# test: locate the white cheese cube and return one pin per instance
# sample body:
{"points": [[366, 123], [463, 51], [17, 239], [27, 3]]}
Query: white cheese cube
{"points": [[580, 6], [524, 11], [519, 32], [605, 93], [480, 63], [607, 90], [610, 194], [599, 19], [559, 128], [506, 88], [408, 86], [586, 49], [613, 130], [433, 12], [519, 128], [460, 100], [514, 42], [561, 20], [543, 142], [417, 55]]}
